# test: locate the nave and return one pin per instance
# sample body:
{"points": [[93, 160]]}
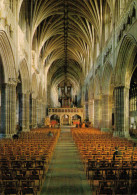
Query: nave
{"points": [[66, 175], [50, 161]]}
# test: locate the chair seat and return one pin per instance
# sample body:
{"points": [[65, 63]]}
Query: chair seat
{"points": [[10, 191], [106, 191], [28, 190]]}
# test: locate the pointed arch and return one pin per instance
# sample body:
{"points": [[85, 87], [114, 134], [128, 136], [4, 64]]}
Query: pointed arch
{"points": [[7, 57], [125, 61]]}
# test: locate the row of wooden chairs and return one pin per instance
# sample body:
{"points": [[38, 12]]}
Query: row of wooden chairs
{"points": [[28, 147], [24, 161], [116, 187], [96, 149]]}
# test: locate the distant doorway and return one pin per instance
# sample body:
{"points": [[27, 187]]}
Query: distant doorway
{"points": [[65, 120], [76, 120], [54, 120]]}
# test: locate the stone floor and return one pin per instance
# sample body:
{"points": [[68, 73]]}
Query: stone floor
{"points": [[66, 174]]}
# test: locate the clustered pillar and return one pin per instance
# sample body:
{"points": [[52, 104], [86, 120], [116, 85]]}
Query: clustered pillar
{"points": [[38, 112], [34, 113], [41, 112], [25, 112], [31, 113], [97, 113], [8, 109], [86, 110], [91, 111], [121, 101], [105, 111]]}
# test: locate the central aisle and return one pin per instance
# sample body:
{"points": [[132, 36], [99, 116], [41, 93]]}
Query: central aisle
{"points": [[66, 174]]}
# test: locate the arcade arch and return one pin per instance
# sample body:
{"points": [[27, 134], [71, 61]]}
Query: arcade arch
{"points": [[54, 119], [24, 96], [8, 82], [76, 119], [125, 67]]}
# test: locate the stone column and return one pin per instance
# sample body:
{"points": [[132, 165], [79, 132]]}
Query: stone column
{"points": [[84, 113], [48, 95], [34, 113], [8, 109], [24, 112], [91, 111], [86, 110], [30, 112], [105, 111], [110, 110], [121, 115], [97, 113], [27, 111], [39, 112], [38, 121], [43, 113]]}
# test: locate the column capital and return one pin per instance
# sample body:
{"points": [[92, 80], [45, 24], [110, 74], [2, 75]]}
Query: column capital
{"points": [[8, 85], [105, 95], [34, 99], [121, 86], [91, 101], [85, 102]]}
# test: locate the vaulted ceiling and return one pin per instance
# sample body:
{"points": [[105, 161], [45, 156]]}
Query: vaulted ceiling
{"points": [[66, 34]]}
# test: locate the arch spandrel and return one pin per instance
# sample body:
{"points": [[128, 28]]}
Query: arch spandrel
{"points": [[97, 87], [106, 78]]}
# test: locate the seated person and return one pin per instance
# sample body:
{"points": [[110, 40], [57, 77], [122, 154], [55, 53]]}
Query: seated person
{"points": [[50, 134], [117, 152]]}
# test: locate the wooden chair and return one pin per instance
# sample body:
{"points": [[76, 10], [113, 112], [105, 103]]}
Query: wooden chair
{"points": [[104, 188]]}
